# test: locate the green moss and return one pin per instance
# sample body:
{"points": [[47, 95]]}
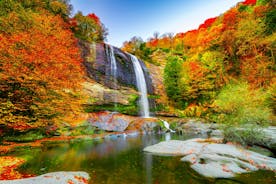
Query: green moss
{"points": [[160, 107], [130, 109], [124, 109], [26, 137]]}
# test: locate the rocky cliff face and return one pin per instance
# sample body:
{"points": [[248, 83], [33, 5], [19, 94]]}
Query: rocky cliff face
{"points": [[100, 84], [98, 67]]}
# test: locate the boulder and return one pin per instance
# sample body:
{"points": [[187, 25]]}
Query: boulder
{"points": [[146, 125], [210, 158], [199, 128], [54, 177], [110, 121], [270, 138]]}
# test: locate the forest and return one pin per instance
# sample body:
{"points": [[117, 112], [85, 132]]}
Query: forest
{"points": [[224, 71], [55, 86]]}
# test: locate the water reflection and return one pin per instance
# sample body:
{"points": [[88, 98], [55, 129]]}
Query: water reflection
{"points": [[168, 136], [119, 160], [148, 168]]}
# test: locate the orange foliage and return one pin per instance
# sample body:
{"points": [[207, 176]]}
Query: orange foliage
{"points": [[194, 66], [40, 70], [153, 43], [260, 11], [8, 166], [230, 17]]}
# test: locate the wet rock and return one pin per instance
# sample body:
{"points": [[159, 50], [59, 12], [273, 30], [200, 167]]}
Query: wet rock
{"points": [[98, 66], [270, 138], [104, 95], [146, 125], [110, 121], [54, 177], [213, 159], [199, 128]]}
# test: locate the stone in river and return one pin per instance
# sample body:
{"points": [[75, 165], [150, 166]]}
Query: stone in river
{"points": [[210, 158]]}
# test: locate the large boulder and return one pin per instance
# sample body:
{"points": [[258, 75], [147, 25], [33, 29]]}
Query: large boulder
{"points": [[110, 121], [54, 177], [197, 127], [270, 138], [210, 158], [146, 125]]}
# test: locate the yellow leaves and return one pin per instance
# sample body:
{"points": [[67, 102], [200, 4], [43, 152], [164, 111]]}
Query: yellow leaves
{"points": [[8, 166], [37, 64]]}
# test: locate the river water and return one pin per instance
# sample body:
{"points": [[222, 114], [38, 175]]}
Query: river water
{"points": [[122, 161]]}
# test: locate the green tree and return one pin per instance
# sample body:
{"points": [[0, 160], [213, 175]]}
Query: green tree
{"points": [[172, 74]]}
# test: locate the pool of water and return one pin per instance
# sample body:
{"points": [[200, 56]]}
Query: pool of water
{"points": [[122, 161]]}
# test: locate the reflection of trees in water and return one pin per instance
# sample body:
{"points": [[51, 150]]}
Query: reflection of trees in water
{"points": [[119, 160]]}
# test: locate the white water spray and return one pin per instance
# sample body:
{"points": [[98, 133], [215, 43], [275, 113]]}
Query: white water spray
{"points": [[167, 125]]}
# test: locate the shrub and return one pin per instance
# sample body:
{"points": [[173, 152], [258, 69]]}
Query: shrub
{"points": [[245, 135], [243, 112], [238, 105]]}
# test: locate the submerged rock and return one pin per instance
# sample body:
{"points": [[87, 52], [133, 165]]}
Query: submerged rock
{"points": [[54, 177], [210, 158]]}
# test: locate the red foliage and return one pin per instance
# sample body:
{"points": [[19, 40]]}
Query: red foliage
{"points": [[73, 22], [9, 164], [180, 35], [154, 42], [249, 2], [94, 17], [230, 17], [192, 31], [194, 66], [208, 23], [21, 126]]}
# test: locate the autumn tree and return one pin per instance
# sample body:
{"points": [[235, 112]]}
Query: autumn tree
{"points": [[40, 69], [88, 28], [201, 77]]}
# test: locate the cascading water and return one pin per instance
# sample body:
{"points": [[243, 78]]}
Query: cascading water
{"points": [[142, 87], [113, 68], [167, 125]]}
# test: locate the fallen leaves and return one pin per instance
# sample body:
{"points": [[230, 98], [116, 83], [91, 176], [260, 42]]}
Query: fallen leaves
{"points": [[8, 168]]}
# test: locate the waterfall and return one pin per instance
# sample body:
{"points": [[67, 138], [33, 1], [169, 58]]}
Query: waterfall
{"points": [[167, 125], [142, 87], [113, 69]]}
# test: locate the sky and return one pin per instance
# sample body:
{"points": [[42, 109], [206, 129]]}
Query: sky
{"points": [[127, 18]]}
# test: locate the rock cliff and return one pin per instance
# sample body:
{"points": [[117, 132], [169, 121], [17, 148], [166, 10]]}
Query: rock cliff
{"points": [[100, 83]]}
